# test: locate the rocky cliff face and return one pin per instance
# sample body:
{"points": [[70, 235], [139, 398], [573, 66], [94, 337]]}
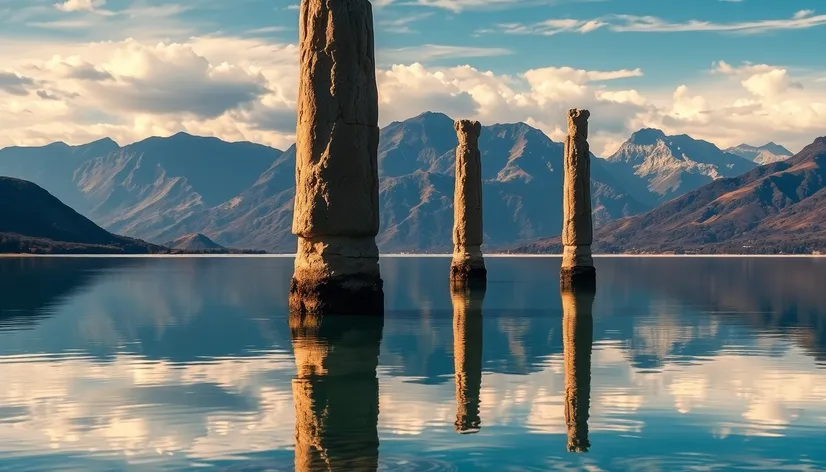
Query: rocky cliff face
{"points": [[656, 168]]}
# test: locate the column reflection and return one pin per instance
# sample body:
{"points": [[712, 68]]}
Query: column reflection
{"points": [[467, 356], [577, 338], [336, 392]]}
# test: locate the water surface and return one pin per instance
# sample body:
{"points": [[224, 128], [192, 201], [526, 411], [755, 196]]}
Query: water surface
{"points": [[175, 364]]}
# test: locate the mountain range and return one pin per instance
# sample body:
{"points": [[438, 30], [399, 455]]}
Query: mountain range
{"points": [[774, 208], [656, 168], [766, 154], [241, 194]]}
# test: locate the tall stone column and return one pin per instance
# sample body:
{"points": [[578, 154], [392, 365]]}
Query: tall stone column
{"points": [[577, 225], [337, 189], [577, 339], [336, 393], [468, 267], [467, 357]]}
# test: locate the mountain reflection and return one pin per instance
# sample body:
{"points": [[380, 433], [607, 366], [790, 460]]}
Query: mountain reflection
{"points": [[771, 295], [577, 338], [336, 392], [467, 356], [31, 288], [179, 364]]}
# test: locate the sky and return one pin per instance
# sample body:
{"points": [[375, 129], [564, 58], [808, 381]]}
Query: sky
{"points": [[727, 71]]}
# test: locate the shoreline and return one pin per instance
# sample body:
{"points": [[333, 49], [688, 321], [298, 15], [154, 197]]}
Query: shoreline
{"points": [[399, 256]]}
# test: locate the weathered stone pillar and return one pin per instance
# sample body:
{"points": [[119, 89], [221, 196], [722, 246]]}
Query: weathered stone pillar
{"points": [[467, 357], [577, 339], [336, 393], [468, 267], [337, 190], [577, 225]]}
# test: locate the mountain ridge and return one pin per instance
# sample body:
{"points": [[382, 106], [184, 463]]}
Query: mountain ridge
{"points": [[655, 167], [776, 208], [162, 188], [762, 155]]}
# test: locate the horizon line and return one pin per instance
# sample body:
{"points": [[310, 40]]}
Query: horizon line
{"points": [[406, 256]]}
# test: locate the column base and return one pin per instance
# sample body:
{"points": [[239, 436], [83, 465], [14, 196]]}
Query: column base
{"points": [[343, 295], [578, 279], [466, 275]]}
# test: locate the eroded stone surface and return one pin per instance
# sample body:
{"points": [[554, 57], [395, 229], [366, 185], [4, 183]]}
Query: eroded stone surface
{"points": [[467, 357], [577, 338], [468, 262], [577, 225], [336, 393], [336, 204]]}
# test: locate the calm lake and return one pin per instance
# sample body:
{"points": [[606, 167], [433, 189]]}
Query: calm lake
{"points": [[178, 364]]}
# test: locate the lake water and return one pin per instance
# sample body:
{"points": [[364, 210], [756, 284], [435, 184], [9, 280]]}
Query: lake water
{"points": [[177, 364]]}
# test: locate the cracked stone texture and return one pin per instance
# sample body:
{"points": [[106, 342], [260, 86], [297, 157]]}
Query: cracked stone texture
{"points": [[467, 357], [468, 261], [336, 203], [336, 393], [577, 339], [577, 225]]}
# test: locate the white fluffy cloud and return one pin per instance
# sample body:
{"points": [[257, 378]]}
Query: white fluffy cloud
{"points": [[245, 89], [761, 80], [80, 5], [129, 90]]}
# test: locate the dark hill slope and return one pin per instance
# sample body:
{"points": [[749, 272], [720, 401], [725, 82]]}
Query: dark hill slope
{"points": [[32, 220]]}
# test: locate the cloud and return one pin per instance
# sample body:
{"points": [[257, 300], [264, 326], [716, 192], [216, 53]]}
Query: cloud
{"points": [[760, 79], [88, 20], [80, 5], [458, 6], [552, 27], [431, 52], [622, 96], [746, 69], [244, 88], [401, 25], [770, 84], [174, 79], [652, 24], [803, 14], [14, 84]]}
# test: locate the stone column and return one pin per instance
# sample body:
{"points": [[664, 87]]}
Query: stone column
{"points": [[577, 339], [577, 225], [336, 393], [467, 357], [468, 265], [337, 190]]}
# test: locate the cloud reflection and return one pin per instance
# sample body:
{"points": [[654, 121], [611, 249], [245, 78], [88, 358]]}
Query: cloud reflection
{"points": [[160, 364]]}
